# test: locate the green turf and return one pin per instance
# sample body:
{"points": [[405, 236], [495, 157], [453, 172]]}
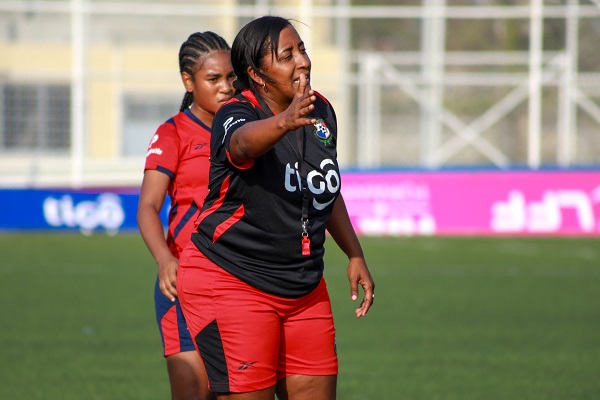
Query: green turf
{"points": [[455, 318]]}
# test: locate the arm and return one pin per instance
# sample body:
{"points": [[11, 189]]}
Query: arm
{"points": [[341, 230], [152, 197], [257, 137]]}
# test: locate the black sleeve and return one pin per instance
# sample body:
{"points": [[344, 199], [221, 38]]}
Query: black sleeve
{"points": [[228, 119]]}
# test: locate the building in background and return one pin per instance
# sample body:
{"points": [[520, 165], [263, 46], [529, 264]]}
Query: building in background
{"points": [[432, 84]]}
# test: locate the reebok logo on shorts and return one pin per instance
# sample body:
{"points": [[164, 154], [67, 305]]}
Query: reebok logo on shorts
{"points": [[246, 365]]}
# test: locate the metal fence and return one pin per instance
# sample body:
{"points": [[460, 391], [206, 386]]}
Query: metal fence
{"points": [[432, 84]]}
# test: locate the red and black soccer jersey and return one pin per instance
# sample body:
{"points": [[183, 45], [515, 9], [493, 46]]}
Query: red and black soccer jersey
{"points": [[180, 149], [250, 224]]}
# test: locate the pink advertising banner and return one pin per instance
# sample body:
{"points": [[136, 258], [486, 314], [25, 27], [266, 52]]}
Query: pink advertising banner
{"points": [[474, 203]]}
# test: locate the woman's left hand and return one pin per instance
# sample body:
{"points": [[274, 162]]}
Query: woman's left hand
{"points": [[358, 274]]}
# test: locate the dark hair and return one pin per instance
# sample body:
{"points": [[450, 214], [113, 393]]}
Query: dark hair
{"points": [[253, 42], [191, 52]]}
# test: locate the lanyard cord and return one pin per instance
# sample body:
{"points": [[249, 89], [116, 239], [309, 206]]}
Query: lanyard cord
{"points": [[301, 140], [303, 179]]}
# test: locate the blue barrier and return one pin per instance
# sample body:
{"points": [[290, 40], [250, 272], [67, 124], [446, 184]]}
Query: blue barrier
{"points": [[87, 211]]}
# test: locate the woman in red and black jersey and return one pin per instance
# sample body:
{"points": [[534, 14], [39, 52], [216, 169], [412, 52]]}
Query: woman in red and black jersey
{"points": [[251, 282]]}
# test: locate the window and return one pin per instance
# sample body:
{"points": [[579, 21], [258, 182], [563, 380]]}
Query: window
{"points": [[35, 117]]}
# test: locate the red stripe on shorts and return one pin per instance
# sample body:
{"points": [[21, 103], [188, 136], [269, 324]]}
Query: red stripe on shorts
{"points": [[170, 332]]}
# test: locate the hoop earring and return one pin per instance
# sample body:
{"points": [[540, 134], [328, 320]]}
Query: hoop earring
{"points": [[264, 86]]}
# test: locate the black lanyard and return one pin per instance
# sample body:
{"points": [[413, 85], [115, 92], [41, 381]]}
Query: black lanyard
{"points": [[301, 140], [305, 195]]}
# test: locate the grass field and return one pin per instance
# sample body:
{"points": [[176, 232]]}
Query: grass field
{"points": [[455, 318]]}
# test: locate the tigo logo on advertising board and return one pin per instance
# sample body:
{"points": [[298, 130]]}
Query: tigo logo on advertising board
{"points": [[106, 212]]}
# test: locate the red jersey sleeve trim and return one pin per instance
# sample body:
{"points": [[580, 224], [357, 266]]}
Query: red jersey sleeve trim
{"points": [[247, 165]]}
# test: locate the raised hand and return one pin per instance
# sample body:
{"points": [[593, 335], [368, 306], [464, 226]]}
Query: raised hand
{"points": [[296, 115]]}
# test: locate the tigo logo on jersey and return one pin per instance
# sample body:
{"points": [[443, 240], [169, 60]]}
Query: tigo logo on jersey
{"points": [[322, 132]]}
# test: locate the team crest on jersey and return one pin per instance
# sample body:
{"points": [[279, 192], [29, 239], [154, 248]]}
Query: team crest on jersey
{"points": [[322, 132]]}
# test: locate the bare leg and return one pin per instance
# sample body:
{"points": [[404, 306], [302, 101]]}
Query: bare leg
{"points": [[304, 387], [188, 377]]}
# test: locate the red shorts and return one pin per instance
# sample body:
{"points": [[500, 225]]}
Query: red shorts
{"points": [[248, 338]]}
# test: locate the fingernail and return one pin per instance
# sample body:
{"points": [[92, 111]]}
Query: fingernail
{"points": [[353, 297]]}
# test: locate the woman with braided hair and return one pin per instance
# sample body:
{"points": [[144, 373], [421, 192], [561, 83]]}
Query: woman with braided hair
{"points": [[177, 164]]}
